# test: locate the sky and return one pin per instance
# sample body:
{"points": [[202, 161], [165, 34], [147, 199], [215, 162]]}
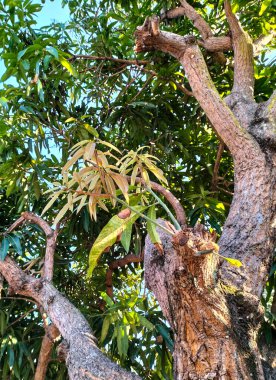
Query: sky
{"points": [[52, 11]]}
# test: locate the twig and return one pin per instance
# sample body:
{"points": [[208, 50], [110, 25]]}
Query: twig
{"points": [[216, 166], [112, 59], [130, 258]]}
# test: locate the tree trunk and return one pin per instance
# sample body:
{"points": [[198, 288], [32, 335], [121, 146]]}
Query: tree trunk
{"points": [[214, 308]]}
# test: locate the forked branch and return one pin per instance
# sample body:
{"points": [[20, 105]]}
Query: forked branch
{"points": [[188, 53], [243, 55]]}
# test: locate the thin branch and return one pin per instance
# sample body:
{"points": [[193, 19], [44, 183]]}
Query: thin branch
{"points": [[216, 166], [48, 341], [243, 55], [15, 225], [130, 258], [176, 205], [112, 59], [51, 238]]}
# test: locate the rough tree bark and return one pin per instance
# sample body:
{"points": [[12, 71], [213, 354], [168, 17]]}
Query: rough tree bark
{"points": [[214, 309]]}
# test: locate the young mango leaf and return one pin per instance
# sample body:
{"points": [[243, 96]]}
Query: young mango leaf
{"points": [[151, 228], [109, 234]]}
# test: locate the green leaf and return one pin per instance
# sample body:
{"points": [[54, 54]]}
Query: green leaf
{"points": [[234, 262], [145, 322], [105, 328], [52, 51], [151, 228], [4, 102], [126, 237], [68, 66], [91, 130], [109, 234], [4, 248], [21, 53], [265, 5], [15, 242]]}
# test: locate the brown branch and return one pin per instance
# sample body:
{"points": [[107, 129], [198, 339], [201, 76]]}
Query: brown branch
{"points": [[176, 205], [71, 323], [200, 24], [243, 55], [112, 59], [210, 43], [51, 333], [188, 53], [131, 258], [216, 166], [51, 238]]}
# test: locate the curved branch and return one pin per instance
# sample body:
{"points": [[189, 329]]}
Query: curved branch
{"points": [[51, 238], [188, 53], [210, 43], [83, 356], [176, 205], [243, 55], [128, 259]]}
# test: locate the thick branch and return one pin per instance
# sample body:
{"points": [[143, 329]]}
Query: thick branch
{"points": [[243, 55], [84, 360], [210, 43], [128, 259], [190, 56], [202, 26]]}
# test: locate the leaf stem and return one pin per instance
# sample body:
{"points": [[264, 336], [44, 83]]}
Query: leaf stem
{"points": [[165, 207], [144, 216]]}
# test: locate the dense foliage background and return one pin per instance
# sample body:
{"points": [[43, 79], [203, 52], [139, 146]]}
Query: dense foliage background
{"points": [[55, 92]]}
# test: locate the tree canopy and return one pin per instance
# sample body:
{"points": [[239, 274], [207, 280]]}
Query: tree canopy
{"points": [[81, 82]]}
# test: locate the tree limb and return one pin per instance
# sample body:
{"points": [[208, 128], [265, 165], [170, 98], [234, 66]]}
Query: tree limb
{"points": [[51, 333], [51, 237], [243, 55], [188, 53], [128, 259], [83, 352]]}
